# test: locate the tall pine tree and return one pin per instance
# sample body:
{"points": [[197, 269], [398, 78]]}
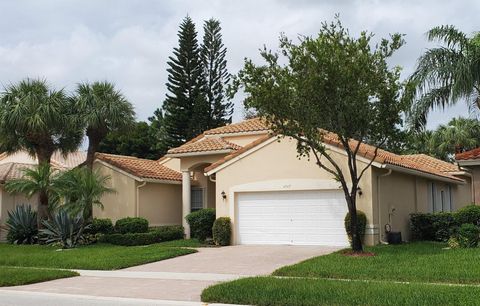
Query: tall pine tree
{"points": [[216, 76], [185, 102]]}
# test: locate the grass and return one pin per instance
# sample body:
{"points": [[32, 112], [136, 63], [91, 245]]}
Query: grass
{"points": [[13, 276], [92, 257], [183, 243], [274, 291], [415, 262]]}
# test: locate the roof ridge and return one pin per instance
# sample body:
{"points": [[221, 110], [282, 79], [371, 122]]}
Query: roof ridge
{"points": [[118, 156]]}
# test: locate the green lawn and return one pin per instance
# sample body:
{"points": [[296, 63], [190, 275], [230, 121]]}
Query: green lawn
{"points": [[322, 280], [92, 257], [12, 276], [273, 291], [417, 262]]}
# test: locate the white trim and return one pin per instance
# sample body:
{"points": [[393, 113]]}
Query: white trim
{"points": [[274, 185], [262, 132], [244, 154], [469, 162], [201, 153], [148, 180]]}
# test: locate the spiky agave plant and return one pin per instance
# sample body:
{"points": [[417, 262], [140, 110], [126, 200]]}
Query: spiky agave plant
{"points": [[64, 229], [22, 225]]}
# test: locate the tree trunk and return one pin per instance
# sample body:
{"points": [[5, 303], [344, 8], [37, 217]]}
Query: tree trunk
{"points": [[356, 239], [94, 139], [43, 157]]}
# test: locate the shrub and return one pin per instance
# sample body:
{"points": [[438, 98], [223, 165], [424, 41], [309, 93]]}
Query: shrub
{"points": [[433, 227], [222, 231], [361, 224], [444, 225], [201, 223], [63, 229], [158, 234], [468, 214], [101, 226], [22, 225], [468, 235], [131, 225]]}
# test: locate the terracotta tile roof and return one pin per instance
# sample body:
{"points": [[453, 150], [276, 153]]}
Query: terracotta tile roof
{"points": [[142, 168], [205, 145], [419, 162], [250, 125], [58, 160], [472, 154], [12, 171], [238, 152], [433, 162], [414, 162]]}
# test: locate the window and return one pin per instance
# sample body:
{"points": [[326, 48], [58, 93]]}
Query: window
{"points": [[439, 197], [196, 199]]}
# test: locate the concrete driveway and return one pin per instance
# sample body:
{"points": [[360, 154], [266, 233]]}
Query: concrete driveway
{"points": [[181, 278]]}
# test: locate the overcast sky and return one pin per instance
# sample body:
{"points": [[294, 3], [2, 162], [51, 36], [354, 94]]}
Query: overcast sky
{"points": [[128, 42]]}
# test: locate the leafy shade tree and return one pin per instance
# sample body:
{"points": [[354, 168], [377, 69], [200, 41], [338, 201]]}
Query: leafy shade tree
{"points": [[81, 189], [185, 107], [333, 82], [103, 109], [38, 119], [447, 74], [140, 141], [216, 75], [41, 180]]}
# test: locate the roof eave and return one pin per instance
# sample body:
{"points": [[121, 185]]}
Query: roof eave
{"points": [[200, 153], [468, 162], [424, 174]]}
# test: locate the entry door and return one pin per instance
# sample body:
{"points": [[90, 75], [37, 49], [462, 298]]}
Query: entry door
{"points": [[291, 217]]}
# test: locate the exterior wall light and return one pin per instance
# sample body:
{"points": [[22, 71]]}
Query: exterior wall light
{"points": [[224, 195]]}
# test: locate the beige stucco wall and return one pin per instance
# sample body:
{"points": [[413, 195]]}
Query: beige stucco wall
{"points": [[8, 202], [475, 171], [120, 204], [278, 161], [192, 162], [161, 204], [172, 163], [407, 194]]}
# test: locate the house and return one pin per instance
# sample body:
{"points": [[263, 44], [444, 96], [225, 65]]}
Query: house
{"points": [[12, 166], [143, 188], [471, 161], [272, 197]]}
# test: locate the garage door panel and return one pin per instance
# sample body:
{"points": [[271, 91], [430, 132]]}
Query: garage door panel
{"points": [[291, 217]]}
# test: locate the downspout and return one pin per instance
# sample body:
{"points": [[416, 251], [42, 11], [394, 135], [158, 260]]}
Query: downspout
{"points": [[137, 204], [378, 205]]}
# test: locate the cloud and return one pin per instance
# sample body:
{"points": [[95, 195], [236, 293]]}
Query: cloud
{"points": [[128, 42]]}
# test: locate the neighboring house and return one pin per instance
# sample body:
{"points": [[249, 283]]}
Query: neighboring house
{"points": [[272, 197], [143, 188], [471, 161], [12, 166]]}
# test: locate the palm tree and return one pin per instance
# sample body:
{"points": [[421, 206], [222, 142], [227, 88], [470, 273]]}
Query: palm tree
{"points": [[41, 180], [81, 189], [446, 74], [38, 119], [103, 109], [458, 135]]}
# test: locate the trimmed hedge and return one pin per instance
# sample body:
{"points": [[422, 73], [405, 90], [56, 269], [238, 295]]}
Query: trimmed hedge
{"points": [[222, 231], [201, 223], [468, 235], [468, 214], [156, 235], [433, 227], [131, 225], [101, 226], [361, 224]]}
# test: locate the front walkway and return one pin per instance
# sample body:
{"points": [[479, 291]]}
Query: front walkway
{"points": [[181, 278]]}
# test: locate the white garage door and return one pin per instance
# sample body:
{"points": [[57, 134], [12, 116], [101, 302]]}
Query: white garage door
{"points": [[292, 217]]}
